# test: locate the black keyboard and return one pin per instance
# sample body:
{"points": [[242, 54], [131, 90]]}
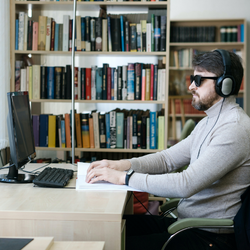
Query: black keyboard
{"points": [[53, 177]]}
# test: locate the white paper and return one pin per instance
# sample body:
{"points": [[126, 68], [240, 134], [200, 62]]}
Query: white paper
{"points": [[81, 184]]}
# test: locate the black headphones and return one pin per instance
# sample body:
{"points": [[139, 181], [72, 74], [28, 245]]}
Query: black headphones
{"points": [[225, 84]]}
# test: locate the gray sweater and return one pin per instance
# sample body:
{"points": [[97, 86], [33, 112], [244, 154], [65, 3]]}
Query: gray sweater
{"points": [[213, 182]]}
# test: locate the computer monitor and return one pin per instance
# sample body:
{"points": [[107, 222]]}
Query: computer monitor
{"points": [[21, 138]]}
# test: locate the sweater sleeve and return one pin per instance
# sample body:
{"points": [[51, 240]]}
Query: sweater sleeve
{"points": [[219, 157]]}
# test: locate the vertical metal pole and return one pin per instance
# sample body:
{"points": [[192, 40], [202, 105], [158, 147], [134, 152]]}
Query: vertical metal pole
{"points": [[73, 86]]}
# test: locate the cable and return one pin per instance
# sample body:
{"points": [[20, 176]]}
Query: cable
{"points": [[211, 128], [34, 171]]}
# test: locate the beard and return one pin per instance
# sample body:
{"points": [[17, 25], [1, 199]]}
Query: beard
{"points": [[205, 103]]}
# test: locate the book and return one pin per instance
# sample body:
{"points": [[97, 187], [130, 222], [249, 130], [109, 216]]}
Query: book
{"points": [[138, 81], [116, 34], [52, 131], [104, 35], [148, 39], [104, 80], [60, 37], [133, 39], [63, 136], [152, 32], [42, 24], [36, 81], [83, 34], [102, 130], [16, 34], [93, 82], [25, 31], [58, 82], [109, 34], [148, 82], [112, 115], [91, 132], [138, 37], [161, 131], [85, 130], [78, 130], [155, 82], [115, 84], [96, 129], [88, 83], [92, 33], [157, 32], [87, 30], [122, 32], [21, 31], [163, 33], [78, 40], [83, 83], [107, 126], [134, 131], [119, 83], [43, 130], [131, 81], [143, 35], [56, 36], [98, 34], [48, 34], [119, 129], [30, 35], [23, 77], [35, 123], [67, 130], [52, 40], [68, 82], [127, 36], [31, 82], [98, 78], [153, 130], [124, 82], [65, 44], [50, 83], [143, 85], [108, 83]]}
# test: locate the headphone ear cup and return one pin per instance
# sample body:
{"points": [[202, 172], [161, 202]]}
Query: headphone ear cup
{"points": [[224, 86]]}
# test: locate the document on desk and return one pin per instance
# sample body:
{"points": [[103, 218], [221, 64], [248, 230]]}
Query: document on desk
{"points": [[81, 184]]}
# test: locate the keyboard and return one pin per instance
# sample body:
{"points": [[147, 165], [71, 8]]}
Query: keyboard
{"points": [[53, 177]]}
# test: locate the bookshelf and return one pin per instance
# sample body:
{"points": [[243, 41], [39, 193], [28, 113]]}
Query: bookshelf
{"points": [[181, 47], [56, 10]]}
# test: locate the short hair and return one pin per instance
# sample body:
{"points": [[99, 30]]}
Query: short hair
{"points": [[211, 61]]}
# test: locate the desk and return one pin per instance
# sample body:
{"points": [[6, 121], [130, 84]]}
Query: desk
{"points": [[65, 214], [48, 243]]}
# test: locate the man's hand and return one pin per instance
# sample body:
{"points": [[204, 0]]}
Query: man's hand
{"points": [[105, 174], [121, 165]]}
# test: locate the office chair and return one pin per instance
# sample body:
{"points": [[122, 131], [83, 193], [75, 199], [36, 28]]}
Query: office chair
{"points": [[240, 223]]}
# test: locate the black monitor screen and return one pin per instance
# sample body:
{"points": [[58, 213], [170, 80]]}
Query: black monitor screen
{"points": [[22, 126]]}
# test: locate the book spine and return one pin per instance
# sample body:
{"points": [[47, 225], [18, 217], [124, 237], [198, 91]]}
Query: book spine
{"points": [[58, 82], [152, 82], [50, 83], [161, 132], [157, 33], [70, 35], [88, 83], [138, 81], [119, 129], [99, 84], [102, 131], [56, 36], [25, 33], [23, 77], [134, 128], [21, 31], [112, 83], [108, 83], [16, 34], [93, 83], [124, 82], [98, 34], [65, 32], [119, 83], [153, 130], [125, 133], [148, 40], [143, 132], [68, 81], [138, 37], [155, 82], [148, 79], [122, 33], [92, 33], [109, 35], [52, 131], [104, 35], [131, 81], [43, 130], [152, 33], [83, 83], [42, 24], [91, 132], [96, 129], [163, 33], [144, 35], [52, 41], [107, 125], [139, 128], [115, 84], [78, 34], [85, 131], [143, 85], [36, 81], [63, 136], [67, 130], [133, 39], [116, 34], [104, 81], [48, 34], [112, 129], [78, 128], [83, 34], [127, 36], [30, 34]]}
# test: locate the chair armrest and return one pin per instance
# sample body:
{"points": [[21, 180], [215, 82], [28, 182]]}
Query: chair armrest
{"points": [[198, 222], [169, 204]]}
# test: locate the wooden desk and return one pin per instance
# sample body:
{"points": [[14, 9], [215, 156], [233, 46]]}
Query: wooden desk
{"points": [[48, 243], [65, 214]]}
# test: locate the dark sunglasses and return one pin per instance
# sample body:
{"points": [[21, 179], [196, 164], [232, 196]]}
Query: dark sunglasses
{"points": [[198, 79]]}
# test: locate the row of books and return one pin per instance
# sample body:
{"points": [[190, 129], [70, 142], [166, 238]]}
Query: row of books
{"points": [[232, 33], [179, 34], [135, 81], [129, 129], [92, 34]]}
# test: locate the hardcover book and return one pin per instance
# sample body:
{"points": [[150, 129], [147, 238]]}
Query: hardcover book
{"points": [[131, 81], [85, 130], [119, 129], [112, 129], [43, 130]]}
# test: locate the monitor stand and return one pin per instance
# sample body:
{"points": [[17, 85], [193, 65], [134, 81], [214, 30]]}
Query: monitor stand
{"points": [[14, 177]]}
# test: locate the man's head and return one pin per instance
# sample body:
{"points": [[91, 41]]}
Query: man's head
{"points": [[210, 64]]}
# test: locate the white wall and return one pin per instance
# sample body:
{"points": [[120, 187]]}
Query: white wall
{"points": [[214, 9]]}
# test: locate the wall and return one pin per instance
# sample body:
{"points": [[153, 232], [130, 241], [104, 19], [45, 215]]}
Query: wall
{"points": [[214, 9]]}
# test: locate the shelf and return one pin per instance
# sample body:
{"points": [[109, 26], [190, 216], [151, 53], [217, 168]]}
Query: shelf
{"points": [[117, 150], [93, 53], [95, 101]]}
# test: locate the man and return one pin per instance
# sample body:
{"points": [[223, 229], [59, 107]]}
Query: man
{"points": [[218, 154]]}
